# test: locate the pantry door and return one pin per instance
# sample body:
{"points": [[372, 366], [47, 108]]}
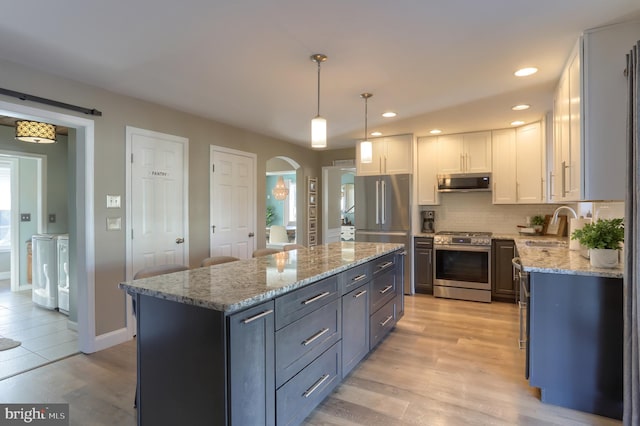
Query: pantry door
{"points": [[158, 225]]}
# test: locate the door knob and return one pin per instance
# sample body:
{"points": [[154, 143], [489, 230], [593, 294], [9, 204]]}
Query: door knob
{"points": [[179, 240], [251, 234]]}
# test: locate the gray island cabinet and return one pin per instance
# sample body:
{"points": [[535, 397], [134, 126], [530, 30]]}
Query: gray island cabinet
{"points": [[261, 341], [574, 329]]}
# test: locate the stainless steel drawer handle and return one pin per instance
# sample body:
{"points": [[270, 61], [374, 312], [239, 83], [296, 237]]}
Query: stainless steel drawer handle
{"points": [[311, 339], [386, 289], [385, 265], [314, 298], [359, 277], [316, 385], [360, 293], [257, 316], [385, 322]]}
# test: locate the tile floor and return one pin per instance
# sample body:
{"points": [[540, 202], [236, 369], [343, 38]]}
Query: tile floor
{"points": [[44, 334]]}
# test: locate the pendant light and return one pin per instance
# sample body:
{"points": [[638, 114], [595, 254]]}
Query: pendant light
{"points": [[35, 132], [366, 148], [280, 191], [318, 124]]}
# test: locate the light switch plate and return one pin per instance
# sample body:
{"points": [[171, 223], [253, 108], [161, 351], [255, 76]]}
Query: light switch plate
{"points": [[114, 223], [113, 201]]}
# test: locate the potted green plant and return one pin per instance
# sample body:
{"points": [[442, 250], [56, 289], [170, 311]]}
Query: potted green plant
{"points": [[603, 239], [270, 215], [537, 222]]}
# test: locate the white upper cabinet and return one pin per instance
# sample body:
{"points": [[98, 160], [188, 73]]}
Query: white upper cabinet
{"points": [[518, 165], [530, 160], [391, 156], [465, 153], [427, 171], [589, 146], [504, 166]]}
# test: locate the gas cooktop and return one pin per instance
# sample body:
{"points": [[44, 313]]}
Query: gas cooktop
{"points": [[463, 238], [465, 233]]}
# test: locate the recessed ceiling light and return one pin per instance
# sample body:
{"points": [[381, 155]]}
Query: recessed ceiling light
{"points": [[517, 123], [376, 134], [389, 114], [520, 107], [523, 72], [435, 131]]}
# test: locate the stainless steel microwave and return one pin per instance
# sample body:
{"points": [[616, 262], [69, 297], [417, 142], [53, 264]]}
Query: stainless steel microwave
{"points": [[464, 182]]}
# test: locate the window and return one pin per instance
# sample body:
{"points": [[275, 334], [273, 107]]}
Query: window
{"points": [[290, 212], [5, 206]]}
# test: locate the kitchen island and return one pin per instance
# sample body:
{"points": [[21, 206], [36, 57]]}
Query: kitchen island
{"points": [[264, 340], [574, 328]]}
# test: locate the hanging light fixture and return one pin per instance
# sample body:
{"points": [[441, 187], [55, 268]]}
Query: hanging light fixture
{"points": [[280, 191], [35, 132], [318, 124], [366, 148]]}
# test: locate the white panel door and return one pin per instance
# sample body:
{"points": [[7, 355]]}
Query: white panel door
{"points": [[233, 203], [159, 200]]}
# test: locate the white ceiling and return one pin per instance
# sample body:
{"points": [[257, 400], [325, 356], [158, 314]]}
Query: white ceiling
{"points": [[445, 64]]}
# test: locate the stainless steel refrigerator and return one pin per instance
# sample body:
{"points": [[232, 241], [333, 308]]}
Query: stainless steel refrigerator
{"points": [[383, 214]]}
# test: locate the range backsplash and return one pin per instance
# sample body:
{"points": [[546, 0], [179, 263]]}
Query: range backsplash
{"points": [[473, 211]]}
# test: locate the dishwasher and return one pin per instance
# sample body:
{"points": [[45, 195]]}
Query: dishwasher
{"points": [[523, 309]]}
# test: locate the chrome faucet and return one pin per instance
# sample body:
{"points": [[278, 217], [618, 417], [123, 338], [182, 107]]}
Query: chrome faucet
{"points": [[554, 220]]}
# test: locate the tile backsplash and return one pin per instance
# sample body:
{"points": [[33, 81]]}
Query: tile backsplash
{"points": [[474, 211]]}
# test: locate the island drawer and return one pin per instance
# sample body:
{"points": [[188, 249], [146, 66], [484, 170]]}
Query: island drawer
{"points": [[382, 322], [298, 303], [383, 289], [384, 264], [355, 277], [299, 343], [296, 399]]}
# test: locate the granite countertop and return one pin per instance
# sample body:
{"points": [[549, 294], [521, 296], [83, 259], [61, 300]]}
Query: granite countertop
{"points": [[232, 286], [559, 260]]}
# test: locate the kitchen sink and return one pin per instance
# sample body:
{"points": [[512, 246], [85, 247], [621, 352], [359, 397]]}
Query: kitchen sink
{"points": [[546, 243]]}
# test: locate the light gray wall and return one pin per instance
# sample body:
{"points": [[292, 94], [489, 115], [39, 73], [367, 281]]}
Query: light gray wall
{"points": [[120, 111]]}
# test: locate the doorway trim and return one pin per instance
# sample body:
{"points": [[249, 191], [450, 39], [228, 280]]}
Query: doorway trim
{"points": [[88, 342], [129, 132]]}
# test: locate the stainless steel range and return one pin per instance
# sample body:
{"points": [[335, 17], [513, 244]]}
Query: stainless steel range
{"points": [[463, 265]]}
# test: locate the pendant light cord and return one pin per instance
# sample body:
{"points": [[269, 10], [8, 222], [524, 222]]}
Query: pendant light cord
{"points": [[365, 117], [318, 88]]}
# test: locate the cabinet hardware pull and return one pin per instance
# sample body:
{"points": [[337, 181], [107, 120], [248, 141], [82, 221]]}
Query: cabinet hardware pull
{"points": [[385, 322], [385, 265], [318, 297], [564, 179], [363, 292], [311, 339], [386, 289], [359, 277], [257, 316], [377, 202], [315, 386]]}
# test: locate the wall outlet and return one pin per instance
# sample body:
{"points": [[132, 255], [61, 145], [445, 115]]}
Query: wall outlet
{"points": [[52, 218], [25, 217]]}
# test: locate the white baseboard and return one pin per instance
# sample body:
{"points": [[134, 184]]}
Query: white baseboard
{"points": [[112, 338]]}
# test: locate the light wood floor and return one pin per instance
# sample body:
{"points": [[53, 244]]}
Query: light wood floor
{"points": [[448, 362]]}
